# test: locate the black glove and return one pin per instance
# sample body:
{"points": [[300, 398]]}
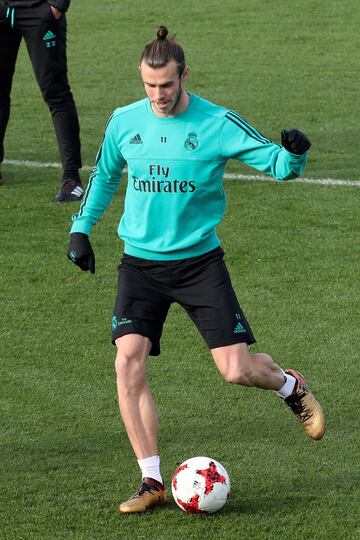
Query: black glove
{"points": [[295, 141], [80, 252]]}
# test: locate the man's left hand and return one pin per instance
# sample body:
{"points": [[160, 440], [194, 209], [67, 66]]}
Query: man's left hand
{"points": [[295, 141], [81, 253]]}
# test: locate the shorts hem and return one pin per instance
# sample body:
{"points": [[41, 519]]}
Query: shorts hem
{"points": [[155, 347], [233, 341]]}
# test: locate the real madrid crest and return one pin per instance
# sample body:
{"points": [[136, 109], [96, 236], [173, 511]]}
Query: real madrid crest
{"points": [[191, 142]]}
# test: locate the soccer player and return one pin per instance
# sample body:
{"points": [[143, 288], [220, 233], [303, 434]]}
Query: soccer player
{"points": [[176, 145], [42, 24]]}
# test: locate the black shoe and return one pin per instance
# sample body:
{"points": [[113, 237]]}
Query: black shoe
{"points": [[71, 190]]}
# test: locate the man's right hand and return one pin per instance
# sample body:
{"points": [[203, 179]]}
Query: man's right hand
{"points": [[81, 253], [295, 141]]}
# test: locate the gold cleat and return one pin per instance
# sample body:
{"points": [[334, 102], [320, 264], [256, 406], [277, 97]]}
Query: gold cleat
{"points": [[150, 493], [304, 405]]}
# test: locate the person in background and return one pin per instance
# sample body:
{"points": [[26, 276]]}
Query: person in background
{"points": [[42, 24]]}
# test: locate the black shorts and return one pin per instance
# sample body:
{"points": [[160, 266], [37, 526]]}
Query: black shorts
{"points": [[201, 285]]}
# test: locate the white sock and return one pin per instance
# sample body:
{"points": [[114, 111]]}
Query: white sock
{"points": [[288, 386], [150, 467]]}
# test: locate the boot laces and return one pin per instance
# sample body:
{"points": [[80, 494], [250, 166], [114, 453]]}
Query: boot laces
{"points": [[144, 488], [299, 408]]}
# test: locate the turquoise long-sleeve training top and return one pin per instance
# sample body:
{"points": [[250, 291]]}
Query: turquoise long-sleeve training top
{"points": [[175, 197]]}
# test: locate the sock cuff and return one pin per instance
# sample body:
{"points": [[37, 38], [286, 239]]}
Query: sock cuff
{"points": [[149, 461], [150, 468], [288, 386]]}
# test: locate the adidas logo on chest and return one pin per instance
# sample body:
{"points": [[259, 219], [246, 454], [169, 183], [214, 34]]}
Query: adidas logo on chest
{"points": [[136, 140]]}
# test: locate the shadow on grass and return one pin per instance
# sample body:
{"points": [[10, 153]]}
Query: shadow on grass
{"points": [[262, 506], [268, 505]]}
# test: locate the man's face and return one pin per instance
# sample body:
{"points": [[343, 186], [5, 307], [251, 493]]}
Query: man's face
{"points": [[163, 87]]}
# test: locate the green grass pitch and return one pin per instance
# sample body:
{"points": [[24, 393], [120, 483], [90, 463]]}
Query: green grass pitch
{"points": [[292, 250]]}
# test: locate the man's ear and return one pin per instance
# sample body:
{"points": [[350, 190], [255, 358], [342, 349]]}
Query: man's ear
{"points": [[185, 74]]}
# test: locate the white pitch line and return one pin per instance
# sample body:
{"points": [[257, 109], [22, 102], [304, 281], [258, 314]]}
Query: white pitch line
{"points": [[227, 176], [301, 180], [38, 164]]}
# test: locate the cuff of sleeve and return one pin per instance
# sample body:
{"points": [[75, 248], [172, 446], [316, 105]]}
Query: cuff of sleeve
{"points": [[295, 164], [81, 226], [299, 160]]}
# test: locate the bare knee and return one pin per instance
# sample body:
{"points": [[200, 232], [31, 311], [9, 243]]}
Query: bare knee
{"points": [[239, 374], [131, 362], [233, 362], [126, 364], [130, 374], [238, 366]]}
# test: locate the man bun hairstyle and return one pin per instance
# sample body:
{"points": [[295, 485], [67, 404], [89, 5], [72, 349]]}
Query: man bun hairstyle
{"points": [[162, 32], [162, 50]]}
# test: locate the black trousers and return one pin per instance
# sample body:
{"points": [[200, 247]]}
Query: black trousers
{"points": [[45, 40]]}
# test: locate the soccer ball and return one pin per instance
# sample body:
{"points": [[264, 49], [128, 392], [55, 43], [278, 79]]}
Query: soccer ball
{"points": [[200, 485]]}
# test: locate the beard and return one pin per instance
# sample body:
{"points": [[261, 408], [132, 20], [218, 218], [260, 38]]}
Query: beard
{"points": [[172, 104]]}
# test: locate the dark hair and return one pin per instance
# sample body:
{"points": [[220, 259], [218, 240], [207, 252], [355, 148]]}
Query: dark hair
{"points": [[159, 52]]}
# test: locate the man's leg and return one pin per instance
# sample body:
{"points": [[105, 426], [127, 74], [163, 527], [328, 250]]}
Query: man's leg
{"points": [[239, 366], [139, 415], [45, 39], [136, 403], [9, 45]]}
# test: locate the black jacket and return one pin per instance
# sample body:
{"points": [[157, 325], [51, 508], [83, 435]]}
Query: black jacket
{"points": [[61, 5]]}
